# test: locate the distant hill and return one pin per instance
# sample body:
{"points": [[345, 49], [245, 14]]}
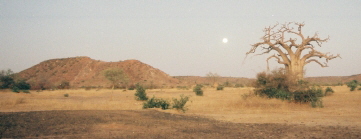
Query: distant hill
{"points": [[333, 80], [84, 71]]}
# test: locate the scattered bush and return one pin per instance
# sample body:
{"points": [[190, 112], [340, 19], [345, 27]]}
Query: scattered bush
{"points": [[156, 103], [179, 104], [220, 87], [352, 85], [198, 90], [328, 91], [140, 93], [164, 104], [312, 95], [359, 88], [66, 95]]}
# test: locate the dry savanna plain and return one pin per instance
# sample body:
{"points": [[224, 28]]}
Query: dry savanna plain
{"points": [[230, 113]]}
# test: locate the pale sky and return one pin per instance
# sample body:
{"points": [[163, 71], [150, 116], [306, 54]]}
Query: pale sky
{"points": [[178, 37]]}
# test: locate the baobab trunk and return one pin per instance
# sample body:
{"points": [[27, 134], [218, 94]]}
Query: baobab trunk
{"points": [[295, 70]]}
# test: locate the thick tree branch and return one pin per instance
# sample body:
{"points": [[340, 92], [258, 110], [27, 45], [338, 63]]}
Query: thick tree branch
{"points": [[278, 60]]}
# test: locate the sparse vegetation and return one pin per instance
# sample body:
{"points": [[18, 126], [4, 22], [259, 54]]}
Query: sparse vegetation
{"points": [[352, 85], [66, 95], [220, 87], [140, 93], [328, 91], [156, 103], [164, 104], [198, 90], [180, 104]]}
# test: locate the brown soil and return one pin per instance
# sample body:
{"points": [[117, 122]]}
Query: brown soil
{"points": [[151, 124]]}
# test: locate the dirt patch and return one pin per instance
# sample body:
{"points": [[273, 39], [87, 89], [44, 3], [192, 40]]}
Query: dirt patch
{"points": [[151, 124]]}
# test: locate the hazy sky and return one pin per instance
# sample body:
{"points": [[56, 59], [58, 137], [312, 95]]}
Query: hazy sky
{"points": [[177, 37]]}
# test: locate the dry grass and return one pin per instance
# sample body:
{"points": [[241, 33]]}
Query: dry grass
{"points": [[341, 108]]}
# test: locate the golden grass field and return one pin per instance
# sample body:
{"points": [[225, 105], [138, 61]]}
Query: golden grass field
{"points": [[342, 108]]}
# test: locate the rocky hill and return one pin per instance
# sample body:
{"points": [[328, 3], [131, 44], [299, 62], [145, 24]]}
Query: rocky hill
{"points": [[84, 71]]}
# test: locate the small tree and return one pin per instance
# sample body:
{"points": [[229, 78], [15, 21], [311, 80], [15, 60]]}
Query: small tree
{"points": [[198, 90], [115, 76], [6, 79], [213, 77], [140, 93], [352, 85]]}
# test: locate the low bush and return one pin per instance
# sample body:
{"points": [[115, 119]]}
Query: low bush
{"points": [[328, 91], [352, 85], [220, 87], [312, 95], [140, 93], [278, 84], [359, 88], [198, 90], [15, 89], [66, 95], [156, 103], [180, 104]]}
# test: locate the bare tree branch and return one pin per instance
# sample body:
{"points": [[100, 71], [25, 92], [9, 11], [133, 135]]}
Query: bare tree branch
{"points": [[290, 50], [318, 62], [278, 60]]}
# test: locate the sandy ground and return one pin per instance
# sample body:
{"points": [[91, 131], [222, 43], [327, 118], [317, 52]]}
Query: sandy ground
{"points": [[229, 110]]}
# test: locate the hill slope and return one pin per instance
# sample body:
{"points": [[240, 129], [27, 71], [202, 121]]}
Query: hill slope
{"points": [[84, 71]]}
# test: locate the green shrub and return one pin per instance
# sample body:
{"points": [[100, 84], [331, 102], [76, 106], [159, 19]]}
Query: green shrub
{"points": [[22, 85], [278, 84], [66, 95], [359, 88], [198, 90], [328, 91], [156, 103], [352, 85], [140, 93], [15, 89], [220, 87], [179, 104]]}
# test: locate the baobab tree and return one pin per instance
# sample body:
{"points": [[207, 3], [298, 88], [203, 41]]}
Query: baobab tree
{"points": [[292, 48]]}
